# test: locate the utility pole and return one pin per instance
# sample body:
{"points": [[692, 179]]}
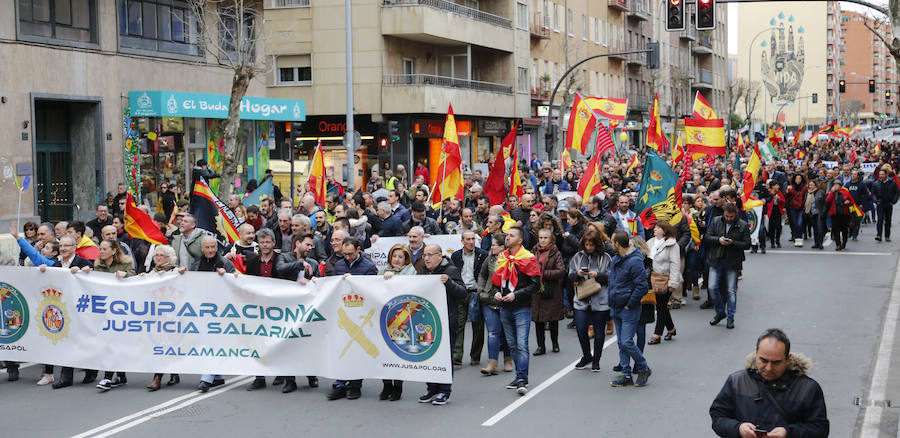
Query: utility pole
{"points": [[349, 132]]}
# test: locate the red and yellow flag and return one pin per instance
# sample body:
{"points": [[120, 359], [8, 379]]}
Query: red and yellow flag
{"points": [[776, 134], [749, 182], [590, 183], [449, 182], [566, 160], [317, 176], [515, 181], [704, 136], [678, 149], [509, 265], [878, 148], [797, 135], [631, 165], [613, 109], [655, 137], [139, 224], [854, 209], [582, 123], [495, 185], [702, 109]]}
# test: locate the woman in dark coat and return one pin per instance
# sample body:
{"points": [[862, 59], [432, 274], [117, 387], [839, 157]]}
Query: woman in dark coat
{"points": [[547, 307]]}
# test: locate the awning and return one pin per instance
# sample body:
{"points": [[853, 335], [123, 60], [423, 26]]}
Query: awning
{"points": [[212, 106]]}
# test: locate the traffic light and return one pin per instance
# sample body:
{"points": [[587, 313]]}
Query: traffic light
{"points": [[871, 85], [815, 98], [394, 130], [296, 130], [675, 15], [842, 86], [706, 14], [653, 56]]}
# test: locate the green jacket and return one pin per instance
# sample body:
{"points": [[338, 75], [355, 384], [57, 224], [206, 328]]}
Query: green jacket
{"points": [[193, 247], [126, 266]]}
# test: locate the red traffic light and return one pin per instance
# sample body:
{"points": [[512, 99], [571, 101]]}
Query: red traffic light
{"points": [[674, 2], [705, 2]]}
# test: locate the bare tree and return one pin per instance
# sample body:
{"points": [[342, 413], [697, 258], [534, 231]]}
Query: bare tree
{"points": [[751, 97], [230, 31], [737, 90]]}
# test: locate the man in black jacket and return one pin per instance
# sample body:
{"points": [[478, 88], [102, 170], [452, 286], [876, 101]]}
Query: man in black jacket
{"points": [[885, 192], [437, 264], [468, 261], [772, 397], [727, 237], [515, 309]]}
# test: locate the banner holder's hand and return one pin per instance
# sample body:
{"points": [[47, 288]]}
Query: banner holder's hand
{"points": [[42, 268], [182, 270]]}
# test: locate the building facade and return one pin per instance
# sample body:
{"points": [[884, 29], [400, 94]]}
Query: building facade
{"points": [[870, 60], [791, 53]]}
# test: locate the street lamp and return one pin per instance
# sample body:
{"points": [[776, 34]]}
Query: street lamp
{"points": [[750, 69]]}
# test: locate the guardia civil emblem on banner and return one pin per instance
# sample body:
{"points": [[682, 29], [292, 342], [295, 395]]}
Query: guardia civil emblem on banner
{"points": [[411, 327]]}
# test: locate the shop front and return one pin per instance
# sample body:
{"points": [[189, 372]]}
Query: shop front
{"points": [[166, 132]]}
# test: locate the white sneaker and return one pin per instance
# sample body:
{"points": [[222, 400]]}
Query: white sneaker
{"points": [[46, 379], [105, 385], [798, 242]]}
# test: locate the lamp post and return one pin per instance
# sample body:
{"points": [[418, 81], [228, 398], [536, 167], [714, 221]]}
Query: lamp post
{"points": [[750, 69]]}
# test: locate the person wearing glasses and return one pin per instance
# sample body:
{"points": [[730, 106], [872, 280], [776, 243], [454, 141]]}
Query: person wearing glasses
{"points": [[30, 236]]}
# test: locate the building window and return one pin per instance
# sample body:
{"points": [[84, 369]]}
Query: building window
{"points": [[289, 3], [229, 32], [522, 16], [556, 17], [297, 69], [522, 79], [546, 14], [158, 25], [70, 20], [584, 27], [597, 31], [570, 29]]}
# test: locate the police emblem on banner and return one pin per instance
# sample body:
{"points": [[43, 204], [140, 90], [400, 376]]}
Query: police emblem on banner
{"points": [[52, 315], [13, 314], [411, 327]]}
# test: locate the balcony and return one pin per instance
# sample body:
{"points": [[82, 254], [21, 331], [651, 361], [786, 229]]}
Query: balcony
{"points": [[703, 78], [540, 27], [446, 23], [621, 5], [423, 93], [639, 102], [617, 46], [540, 93], [703, 45], [635, 59], [638, 11], [689, 34]]}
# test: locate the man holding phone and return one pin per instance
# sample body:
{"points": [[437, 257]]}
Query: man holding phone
{"points": [[727, 237], [772, 397]]}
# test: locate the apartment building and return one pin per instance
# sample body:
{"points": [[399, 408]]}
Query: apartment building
{"points": [[412, 59], [71, 67], [870, 60], [791, 52]]}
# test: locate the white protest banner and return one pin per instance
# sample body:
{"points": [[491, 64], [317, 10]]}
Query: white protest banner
{"points": [[378, 252], [868, 167], [755, 217], [830, 164], [354, 328]]}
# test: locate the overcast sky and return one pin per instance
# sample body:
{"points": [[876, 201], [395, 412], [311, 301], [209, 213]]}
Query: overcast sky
{"points": [[733, 20]]}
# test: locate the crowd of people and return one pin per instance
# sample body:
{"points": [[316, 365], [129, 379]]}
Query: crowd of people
{"points": [[542, 258]]}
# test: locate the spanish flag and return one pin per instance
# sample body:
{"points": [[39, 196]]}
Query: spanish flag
{"points": [[402, 316], [695, 232], [449, 182], [797, 135], [631, 165], [317, 176], [801, 154], [613, 109], [702, 109], [508, 267], [878, 148], [704, 136], [678, 149], [776, 134], [749, 182], [854, 209], [590, 183], [515, 181], [566, 159], [655, 137], [495, 185], [139, 224], [212, 214], [582, 123]]}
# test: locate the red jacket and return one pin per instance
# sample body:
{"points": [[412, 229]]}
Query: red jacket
{"points": [[797, 197], [833, 209]]}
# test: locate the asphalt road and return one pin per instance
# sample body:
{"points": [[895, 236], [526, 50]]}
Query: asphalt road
{"points": [[832, 305]]}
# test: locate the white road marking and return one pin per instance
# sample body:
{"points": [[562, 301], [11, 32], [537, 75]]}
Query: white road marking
{"points": [[831, 253], [544, 385], [878, 387], [160, 409]]}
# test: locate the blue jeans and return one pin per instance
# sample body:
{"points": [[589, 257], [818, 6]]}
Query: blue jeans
{"points": [[208, 378], [496, 341], [719, 279], [516, 323], [445, 387], [585, 318], [796, 223], [626, 322]]}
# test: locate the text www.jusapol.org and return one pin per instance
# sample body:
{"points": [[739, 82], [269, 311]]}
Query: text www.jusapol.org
{"points": [[410, 366]]}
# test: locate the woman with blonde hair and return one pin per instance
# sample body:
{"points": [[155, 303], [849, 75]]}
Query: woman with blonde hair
{"points": [[400, 262], [164, 260]]}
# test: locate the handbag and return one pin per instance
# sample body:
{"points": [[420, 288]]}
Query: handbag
{"points": [[588, 288], [649, 298], [476, 314], [659, 283]]}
